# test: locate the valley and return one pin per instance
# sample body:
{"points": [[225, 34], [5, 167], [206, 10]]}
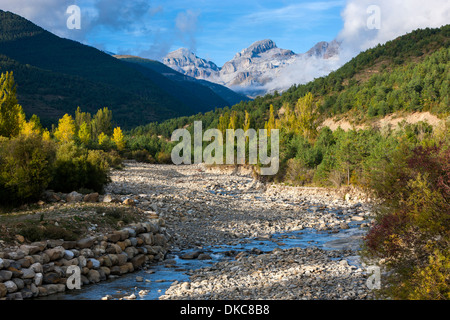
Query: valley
{"points": [[232, 237]]}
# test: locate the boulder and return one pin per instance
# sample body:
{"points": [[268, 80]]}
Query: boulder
{"points": [[138, 261], [129, 202], [85, 243], [55, 253], [93, 276], [10, 286], [28, 273], [3, 290], [91, 197], [5, 275], [74, 197], [38, 279], [51, 278], [30, 250]]}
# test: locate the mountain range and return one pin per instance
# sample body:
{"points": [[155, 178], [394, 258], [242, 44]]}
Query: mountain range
{"points": [[256, 69], [54, 76]]}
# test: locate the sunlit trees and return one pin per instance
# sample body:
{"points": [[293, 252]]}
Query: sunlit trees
{"points": [[118, 138], [65, 131], [11, 113]]}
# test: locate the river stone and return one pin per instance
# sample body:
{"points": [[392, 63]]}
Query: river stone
{"points": [[38, 279], [91, 197], [3, 290], [41, 244], [53, 243], [16, 273], [147, 237], [29, 249], [160, 240], [5, 275], [74, 197], [69, 244], [55, 253], [52, 278], [16, 255], [191, 255], [19, 283], [95, 263], [93, 276], [138, 261], [28, 273], [129, 202], [113, 237], [10, 286], [106, 271], [85, 243], [122, 259], [131, 252], [68, 255]]}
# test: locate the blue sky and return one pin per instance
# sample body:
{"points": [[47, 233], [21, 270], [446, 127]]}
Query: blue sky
{"points": [[216, 30]]}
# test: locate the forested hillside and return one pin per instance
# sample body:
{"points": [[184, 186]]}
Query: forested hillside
{"points": [[56, 75]]}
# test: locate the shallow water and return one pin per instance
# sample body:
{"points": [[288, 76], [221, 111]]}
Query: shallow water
{"points": [[159, 277]]}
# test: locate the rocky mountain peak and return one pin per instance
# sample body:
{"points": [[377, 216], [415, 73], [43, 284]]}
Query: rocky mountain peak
{"points": [[257, 48]]}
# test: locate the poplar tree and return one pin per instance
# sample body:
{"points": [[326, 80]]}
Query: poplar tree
{"points": [[11, 113]]}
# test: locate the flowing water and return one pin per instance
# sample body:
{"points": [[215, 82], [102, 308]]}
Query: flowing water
{"points": [[159, 277]]}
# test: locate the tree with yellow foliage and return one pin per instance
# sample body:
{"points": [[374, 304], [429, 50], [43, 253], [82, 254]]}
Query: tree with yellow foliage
{"points": [[307, 116], [270, 124], [247, 121], [66, 129], [118, 139], [103, 139]]}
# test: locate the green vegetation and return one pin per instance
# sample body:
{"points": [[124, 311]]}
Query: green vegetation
{"points": [[56, 75], [71, 157]]}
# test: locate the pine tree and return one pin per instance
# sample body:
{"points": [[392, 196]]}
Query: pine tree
{"points": [[11, 114]]}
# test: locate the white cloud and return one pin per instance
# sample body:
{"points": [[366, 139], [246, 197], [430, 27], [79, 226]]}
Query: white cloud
{"points": [[398, 17]]}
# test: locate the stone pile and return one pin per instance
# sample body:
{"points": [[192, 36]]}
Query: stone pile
{"points": [[39, 268]]}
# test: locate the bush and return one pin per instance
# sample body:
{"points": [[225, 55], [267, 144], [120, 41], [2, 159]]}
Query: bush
{"points": [[26, 168], [76, 167], [142, 156], [412, 229]]}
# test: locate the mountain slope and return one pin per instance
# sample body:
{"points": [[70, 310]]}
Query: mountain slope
{"points": [[56, 75]]}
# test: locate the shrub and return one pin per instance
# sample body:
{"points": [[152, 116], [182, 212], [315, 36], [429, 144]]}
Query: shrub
{"points": [[26, 168], [76, 167], [412, 229], [142, 156]]}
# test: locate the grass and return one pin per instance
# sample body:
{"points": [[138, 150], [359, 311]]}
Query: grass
{"points": [[67, 221]]}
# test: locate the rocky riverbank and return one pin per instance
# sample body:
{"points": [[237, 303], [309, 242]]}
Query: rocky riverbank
{"points": [[215, 206], [41, 268], [196, 209]]}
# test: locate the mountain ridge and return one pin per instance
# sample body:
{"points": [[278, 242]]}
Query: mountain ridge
{"points": [[253, 70]]}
